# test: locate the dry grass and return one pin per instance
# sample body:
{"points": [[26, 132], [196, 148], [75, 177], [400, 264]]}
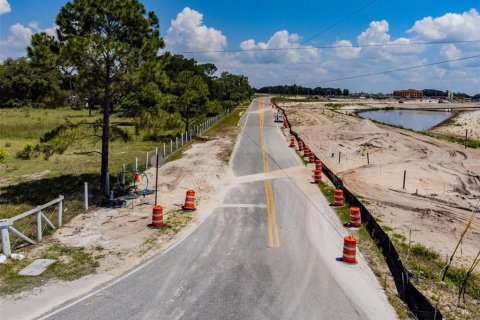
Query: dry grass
{"points": [[72, 263]]}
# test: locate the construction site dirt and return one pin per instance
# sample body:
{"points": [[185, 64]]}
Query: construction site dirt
{"points": [[422, 187]]}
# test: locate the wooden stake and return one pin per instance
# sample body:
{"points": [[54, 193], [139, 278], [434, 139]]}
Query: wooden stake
{"points": [[466, 138], [404, 177]]}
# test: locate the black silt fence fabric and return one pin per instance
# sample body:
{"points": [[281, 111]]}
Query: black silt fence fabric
{"points": [[418, 304]]}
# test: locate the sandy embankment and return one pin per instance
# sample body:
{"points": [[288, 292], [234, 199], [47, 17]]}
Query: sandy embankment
{"points": [[442, 179], [469, 121]]}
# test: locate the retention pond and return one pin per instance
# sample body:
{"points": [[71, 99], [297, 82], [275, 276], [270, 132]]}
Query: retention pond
{"points": [[419, 120]]}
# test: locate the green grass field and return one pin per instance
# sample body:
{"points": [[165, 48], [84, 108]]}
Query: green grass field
{"points": [[27, 183]]}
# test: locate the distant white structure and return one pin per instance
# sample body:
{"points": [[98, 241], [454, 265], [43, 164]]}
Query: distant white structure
{"points": [[449, 95]]}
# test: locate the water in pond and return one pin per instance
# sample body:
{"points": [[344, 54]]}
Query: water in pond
{"points": [[419, 120]]}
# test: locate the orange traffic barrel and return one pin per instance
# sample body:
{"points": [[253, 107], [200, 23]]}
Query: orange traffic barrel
{"points": [[318, 176], [157, 216], [349, 249], [311, 157], [300, 145], [189, 201], [355, 217], [292, 142], [338, 200], [306, 151], [137, 176]]}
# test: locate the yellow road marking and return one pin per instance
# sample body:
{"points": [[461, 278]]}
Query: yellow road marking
{"points": [[273, 237]]}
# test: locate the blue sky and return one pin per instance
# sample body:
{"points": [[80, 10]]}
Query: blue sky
{"points": [[269, 24]]}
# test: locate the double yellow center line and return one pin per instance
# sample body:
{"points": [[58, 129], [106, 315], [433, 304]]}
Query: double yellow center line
{"points": [[273, 238]]}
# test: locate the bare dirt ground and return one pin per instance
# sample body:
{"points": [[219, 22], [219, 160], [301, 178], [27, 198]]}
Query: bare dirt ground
{"points": [[469, 121], [123, 233], [442, 178], [121, 238]]}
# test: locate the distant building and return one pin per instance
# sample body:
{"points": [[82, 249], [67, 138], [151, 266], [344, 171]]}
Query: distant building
{"points": [[408, 94], [449, 95]]}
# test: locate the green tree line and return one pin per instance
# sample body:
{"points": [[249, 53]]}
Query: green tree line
{"points": [[294, 89], [106, 56]]}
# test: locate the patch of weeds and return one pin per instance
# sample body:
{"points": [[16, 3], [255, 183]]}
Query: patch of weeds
{"points": [[335, 106], [72, 263], [398, 237], [387, 228], [174, 222], [433, 194], [178, 154], [421, 250], [226, 155], [226, 126]]}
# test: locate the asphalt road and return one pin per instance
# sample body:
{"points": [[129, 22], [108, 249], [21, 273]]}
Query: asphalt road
{"points": [[265, 253]]}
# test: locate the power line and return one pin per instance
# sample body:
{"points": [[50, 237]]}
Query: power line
{"points": [[330, 47], [391, 71], [340, 21]]}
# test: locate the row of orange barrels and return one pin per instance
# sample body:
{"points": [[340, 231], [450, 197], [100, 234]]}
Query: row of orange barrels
{"points": [[157, 215], [349, 246], [311, 158]]}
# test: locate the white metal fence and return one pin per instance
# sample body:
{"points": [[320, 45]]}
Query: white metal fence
{"points": [[22, 229]]}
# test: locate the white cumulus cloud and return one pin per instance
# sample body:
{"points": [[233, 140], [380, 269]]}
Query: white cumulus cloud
{"points": [[345, 50], [451, 26], [264, 52], [187, 32], [450, 52], [19, 38], [14, 45], [4, 7], [377, 33]]}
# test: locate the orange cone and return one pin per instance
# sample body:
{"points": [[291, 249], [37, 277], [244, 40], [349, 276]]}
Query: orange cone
{"points": [[157, 217], [349, 249], [338, 200], [300, 145], [355, 217], [189, 201], [292, 142], [306, 151], [318, 176]]}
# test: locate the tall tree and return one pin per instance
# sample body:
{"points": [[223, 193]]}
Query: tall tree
{"points": [[23, 84], [105, 41], [192, 94]]}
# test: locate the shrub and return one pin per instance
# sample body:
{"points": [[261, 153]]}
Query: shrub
{"points": [[420, 250], [3, 155], [27, 153]]}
